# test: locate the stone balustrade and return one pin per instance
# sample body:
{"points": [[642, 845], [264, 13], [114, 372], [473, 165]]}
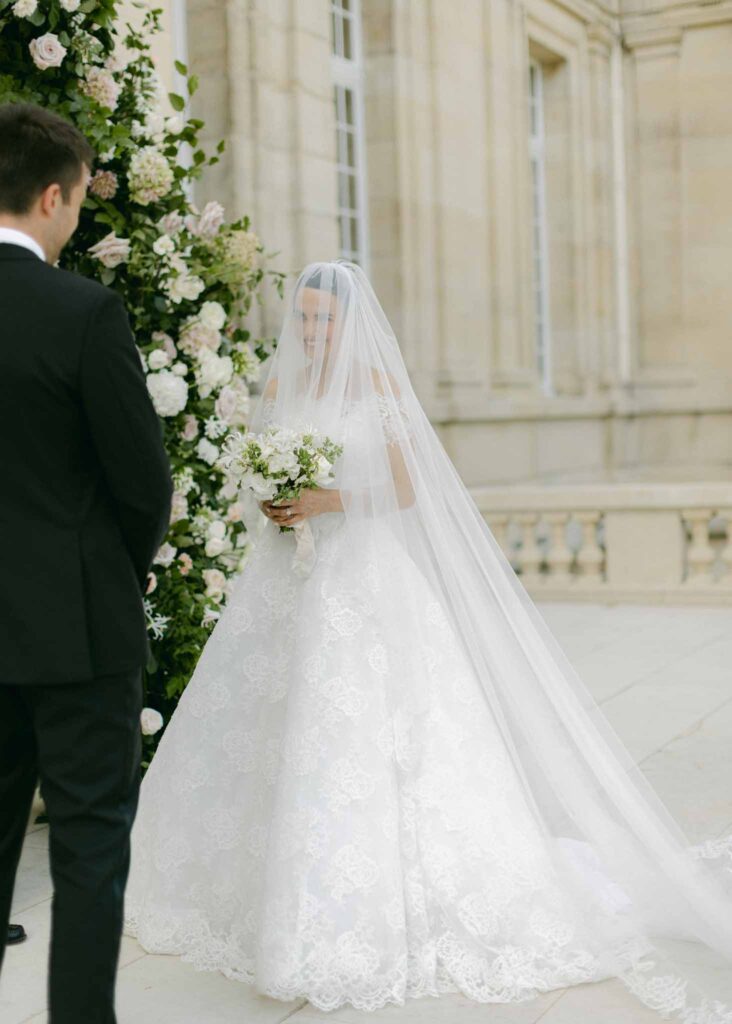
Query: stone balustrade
{"points": [[650, 542]]}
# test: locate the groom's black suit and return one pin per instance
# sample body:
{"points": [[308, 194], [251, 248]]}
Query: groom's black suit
{"points": [[84, 504]]}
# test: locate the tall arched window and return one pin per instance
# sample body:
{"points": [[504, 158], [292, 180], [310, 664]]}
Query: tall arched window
{"points": [[537, 144], [350, 132]]}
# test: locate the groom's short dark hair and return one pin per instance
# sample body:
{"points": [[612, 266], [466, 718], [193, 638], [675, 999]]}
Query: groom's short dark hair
{"points": [[37, 149]]}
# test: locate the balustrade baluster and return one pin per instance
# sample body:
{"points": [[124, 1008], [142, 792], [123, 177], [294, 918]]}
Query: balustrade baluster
{"points": [[590, 557], [699, 552]]}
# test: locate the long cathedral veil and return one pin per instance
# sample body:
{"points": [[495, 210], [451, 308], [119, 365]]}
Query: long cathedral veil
{"points": [[660, 913]]}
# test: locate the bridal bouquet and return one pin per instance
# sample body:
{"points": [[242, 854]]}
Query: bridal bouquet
{"points": [[278, 465]]}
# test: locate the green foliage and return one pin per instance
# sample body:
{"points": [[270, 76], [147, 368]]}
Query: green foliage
{"points": [[188, 279]]}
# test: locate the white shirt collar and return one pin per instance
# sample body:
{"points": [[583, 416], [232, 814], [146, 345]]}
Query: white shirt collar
{"points": [[14, 237]]}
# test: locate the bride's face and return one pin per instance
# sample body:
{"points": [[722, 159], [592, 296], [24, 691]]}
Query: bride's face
{"points": [[317, 317]]}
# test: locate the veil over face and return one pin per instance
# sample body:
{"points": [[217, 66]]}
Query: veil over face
{"points": [[667, 932]]}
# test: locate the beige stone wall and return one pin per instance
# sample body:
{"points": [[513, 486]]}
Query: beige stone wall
{"points": [[638, 161]]}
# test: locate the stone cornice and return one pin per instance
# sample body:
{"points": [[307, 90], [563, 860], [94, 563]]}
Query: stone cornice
{"points": [[638, 26]]}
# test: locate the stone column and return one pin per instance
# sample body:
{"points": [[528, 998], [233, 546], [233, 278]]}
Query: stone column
{"points": [[267, 88], [656, 180]]}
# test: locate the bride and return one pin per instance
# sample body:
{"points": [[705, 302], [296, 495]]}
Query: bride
{"points": [[384, 779]]}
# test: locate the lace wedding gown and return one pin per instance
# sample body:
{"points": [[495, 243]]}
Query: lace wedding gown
{"points": [[334, 810]]}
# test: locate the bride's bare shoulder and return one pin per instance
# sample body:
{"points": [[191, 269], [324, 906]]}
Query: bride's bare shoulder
{"points": [[271, 390]]}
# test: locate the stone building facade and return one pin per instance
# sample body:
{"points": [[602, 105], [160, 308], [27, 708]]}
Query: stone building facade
{"points": [[540, 190]]}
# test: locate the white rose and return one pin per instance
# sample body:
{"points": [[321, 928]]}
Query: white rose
{"points": [[207, 451], [324, 469], [47, 51], [151, 721], [213, 371], [178, 507], [155, 123], [212, 315], [171, 223], [215, 546], [25, 8], [283, 462], [157, 359], [262, 488], [232, 405], [166, 554], [174, 124], [111, 251], [180, 369], [210, 220], [169, 392], [163, 245], [185, 286], [190, 428], [215, 582], [216, 529]]}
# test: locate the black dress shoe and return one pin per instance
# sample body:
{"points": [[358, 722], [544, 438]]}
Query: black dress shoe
{"points": [[16, 934]]}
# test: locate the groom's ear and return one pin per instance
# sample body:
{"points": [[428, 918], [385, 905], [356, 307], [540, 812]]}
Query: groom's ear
{"points": [[50, 199]]}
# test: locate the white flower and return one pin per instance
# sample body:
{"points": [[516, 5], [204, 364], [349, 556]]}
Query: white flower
{"points": [[150, 176], [210, 615], [185, 286], [174, 124], [168, 391], [190, 428], [262, 488], [234, 512], [111, 251], [161, 338], [213, 315], [324, 470], [216, 540], [207, 451], [106, 156], [151, 721], [210, 220], [70, 5], [25, 8], [157, 359], [155, 124], [171, 223], [163, 245], [195, 336], [178, 507], [100, 85], [180, 369], [213, 428], [215, 583], [115, 61], [232, 403], [166, 554], [47, 51], [213, 371]]}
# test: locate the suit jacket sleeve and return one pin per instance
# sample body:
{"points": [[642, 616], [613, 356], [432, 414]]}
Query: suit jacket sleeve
{"points": [[126, 432]]}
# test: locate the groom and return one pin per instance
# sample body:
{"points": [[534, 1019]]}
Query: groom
{"points": [[85, 495]]}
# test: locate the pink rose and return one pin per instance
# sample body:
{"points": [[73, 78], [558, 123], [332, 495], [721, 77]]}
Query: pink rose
{"points": [[190, 428], [186, 563]]}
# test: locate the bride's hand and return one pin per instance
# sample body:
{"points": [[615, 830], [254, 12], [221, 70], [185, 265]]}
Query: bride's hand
{"points": [[312, 502]]}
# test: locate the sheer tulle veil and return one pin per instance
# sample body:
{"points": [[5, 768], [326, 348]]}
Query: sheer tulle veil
{"points": [[661, 909]]}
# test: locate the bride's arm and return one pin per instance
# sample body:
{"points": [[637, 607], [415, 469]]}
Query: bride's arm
{"points": [[400, 474]]}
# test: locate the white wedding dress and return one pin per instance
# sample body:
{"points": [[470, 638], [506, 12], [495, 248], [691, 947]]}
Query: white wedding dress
{"points": [[336, 810]]}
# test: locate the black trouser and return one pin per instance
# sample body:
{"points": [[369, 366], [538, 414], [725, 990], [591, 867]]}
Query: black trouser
{"points": [[83, 741]]}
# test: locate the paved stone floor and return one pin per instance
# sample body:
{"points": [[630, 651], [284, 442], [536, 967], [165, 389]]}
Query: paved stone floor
{"points": [[663, 677]]}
